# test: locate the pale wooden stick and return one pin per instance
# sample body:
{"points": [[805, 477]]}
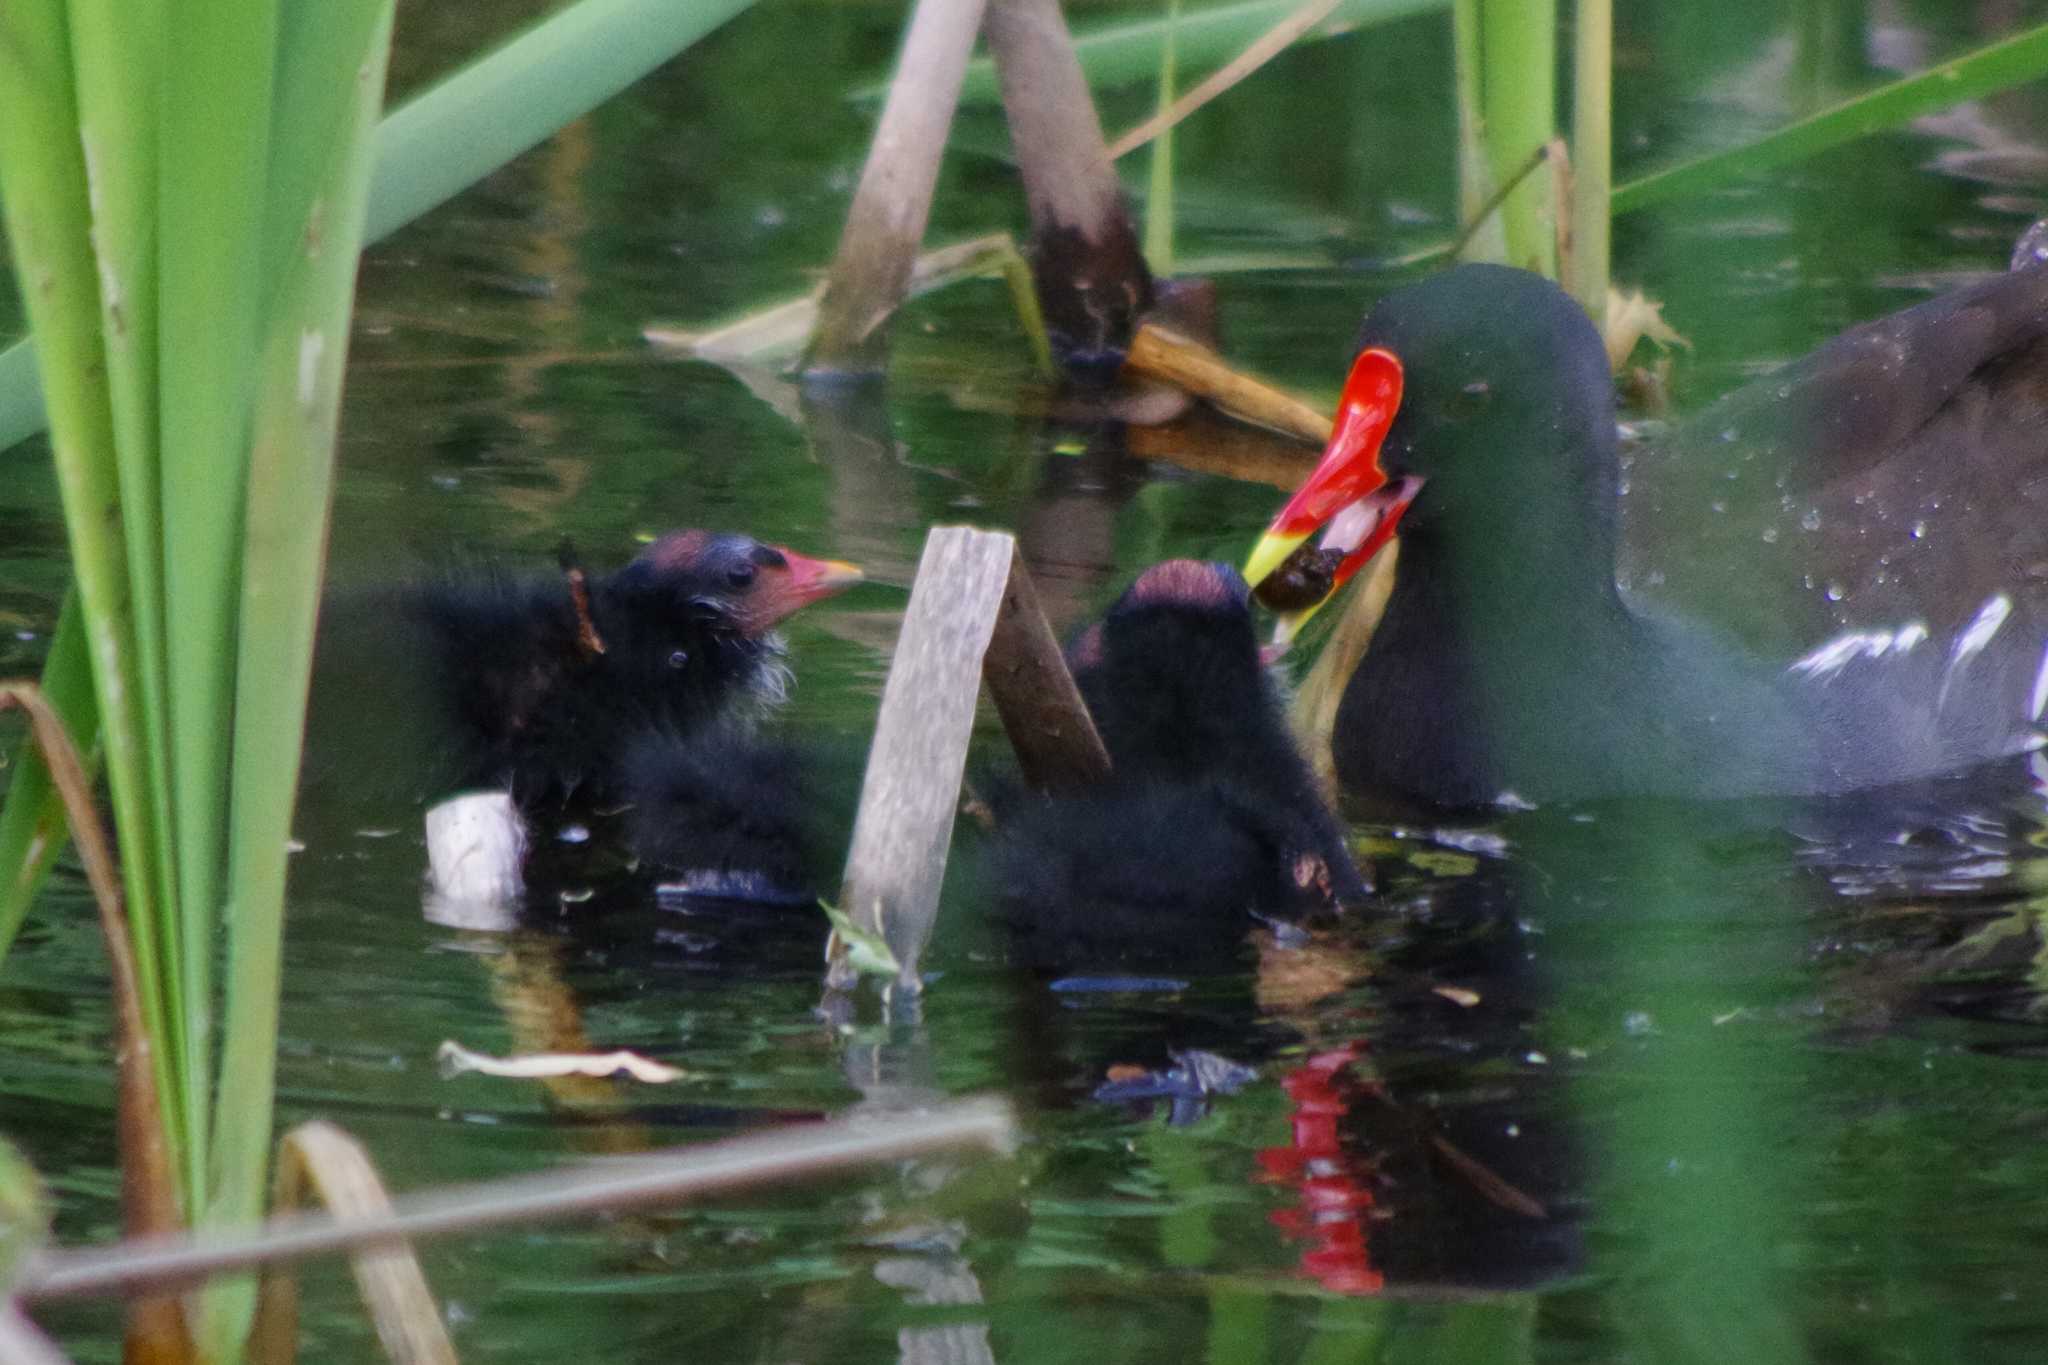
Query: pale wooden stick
{"points": [[904, 828], [1157, 353], [607, 1186], [894, 199], [22, 1342]]}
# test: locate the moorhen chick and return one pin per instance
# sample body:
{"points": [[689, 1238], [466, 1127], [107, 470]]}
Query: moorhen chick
{"points": [[546, 686], [1210, 815], [725, 814], [1885, 595]]}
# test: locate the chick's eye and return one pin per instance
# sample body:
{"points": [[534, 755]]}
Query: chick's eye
{"points": [[678, 659], [739, 576]]}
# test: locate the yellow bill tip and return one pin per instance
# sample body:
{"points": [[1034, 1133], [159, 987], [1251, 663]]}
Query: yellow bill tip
{"points": [[1269, 554]]}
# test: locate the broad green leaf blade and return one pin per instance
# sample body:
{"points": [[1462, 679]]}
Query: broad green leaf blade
{"points": [[1130, 51], [330, 84], [117, 50], [32, 826], [465, 127], [2014, 61], [215, 130], [492, 110], [44, 193]]}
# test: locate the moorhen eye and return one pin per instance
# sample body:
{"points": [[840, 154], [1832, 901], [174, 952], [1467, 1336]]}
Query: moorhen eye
{"points": [[739, 576], [678, 659]]}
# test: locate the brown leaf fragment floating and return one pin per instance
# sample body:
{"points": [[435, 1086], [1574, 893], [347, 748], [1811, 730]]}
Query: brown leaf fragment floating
{"points": [[1126, 1071], [1457, 995], [455, 1059]]}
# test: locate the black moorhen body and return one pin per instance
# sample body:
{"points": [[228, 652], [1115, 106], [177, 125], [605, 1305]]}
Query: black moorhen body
{"points": [[729, 815], [546, 686], [1510, 661], [1210, 815]]}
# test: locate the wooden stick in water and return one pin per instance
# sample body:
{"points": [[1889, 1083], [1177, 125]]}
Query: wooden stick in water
{"points": [[912, 789], [1158, 353], [973, 617], [886, 223], [657, 1179], [1093, 284], [1043, 714]]}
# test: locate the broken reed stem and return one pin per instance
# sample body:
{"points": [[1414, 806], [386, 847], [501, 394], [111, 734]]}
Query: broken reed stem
{"points": [[886, 223], [148, 1189], [780, 329], [1564, 235], [1093, 284], [322, 1160], [1058, 748], [1322, 691], [168, 1263], [1158, 353], [1592, 152]]}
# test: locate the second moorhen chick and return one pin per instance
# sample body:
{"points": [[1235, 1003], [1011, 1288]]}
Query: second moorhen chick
{"points": [[1210, 815]]}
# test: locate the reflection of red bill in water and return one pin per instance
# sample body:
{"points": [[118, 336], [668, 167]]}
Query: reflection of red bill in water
{"points": [[1335, 1185]]}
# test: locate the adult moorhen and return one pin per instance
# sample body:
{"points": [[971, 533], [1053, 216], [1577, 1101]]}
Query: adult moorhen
{"points": [[547, 685], [1867, 516], [1210, 813]]}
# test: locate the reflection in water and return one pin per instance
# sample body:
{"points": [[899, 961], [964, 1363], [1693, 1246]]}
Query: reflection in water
{"points": [[1069, 533], [1336, 1208]]}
